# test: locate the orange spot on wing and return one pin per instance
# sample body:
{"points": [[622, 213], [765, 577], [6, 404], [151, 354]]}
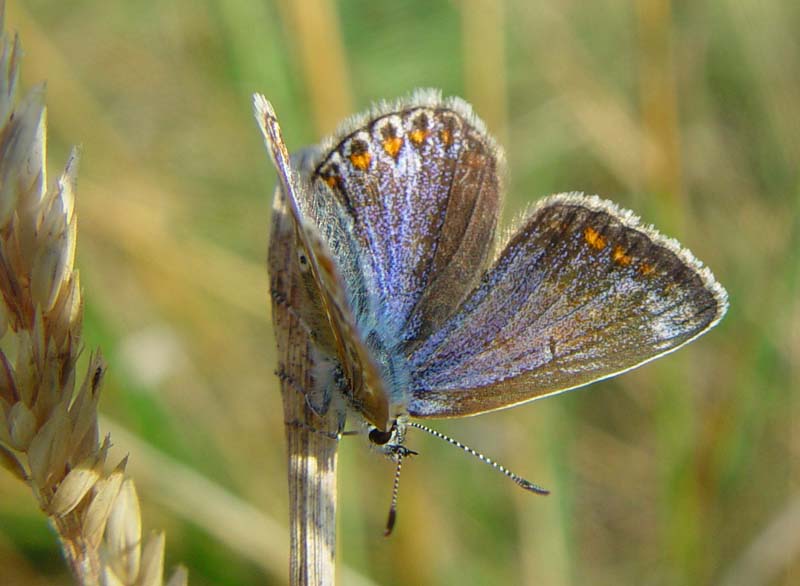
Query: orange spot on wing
{"points": [[361, 160], [418, 136], [647, 269], [620, 257], [594, 239], [332, 181], [446, 136], [391, 145]]}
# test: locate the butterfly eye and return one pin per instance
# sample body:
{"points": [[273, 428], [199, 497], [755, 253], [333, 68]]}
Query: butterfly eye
{"points": [[378, 437]]}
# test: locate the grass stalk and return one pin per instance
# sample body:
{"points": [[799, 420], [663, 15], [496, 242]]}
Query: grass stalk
{"points": [[312, 441]]}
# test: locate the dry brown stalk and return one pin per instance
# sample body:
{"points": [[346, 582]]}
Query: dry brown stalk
{"points": [[312, 441], [48, 431]]}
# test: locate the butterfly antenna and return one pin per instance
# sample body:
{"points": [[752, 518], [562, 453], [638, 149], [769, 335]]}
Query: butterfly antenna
{"points": [[395, 490], [526, 484]]}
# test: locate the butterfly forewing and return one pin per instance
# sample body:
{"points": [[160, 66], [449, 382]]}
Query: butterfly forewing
{"points": [[581, 292], [367, 385], [421, 183]]}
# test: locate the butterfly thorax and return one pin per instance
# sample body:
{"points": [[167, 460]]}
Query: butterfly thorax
{"points": [[382, 399]]}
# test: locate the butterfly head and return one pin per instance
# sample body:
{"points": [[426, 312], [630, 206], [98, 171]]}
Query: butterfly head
{"points": [[391, 441]]}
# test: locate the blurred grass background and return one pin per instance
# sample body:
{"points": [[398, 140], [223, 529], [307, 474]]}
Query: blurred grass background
{"points": [[683, 472]]}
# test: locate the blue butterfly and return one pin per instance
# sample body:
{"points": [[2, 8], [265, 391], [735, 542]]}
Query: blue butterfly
{"points": [[412, 312]]}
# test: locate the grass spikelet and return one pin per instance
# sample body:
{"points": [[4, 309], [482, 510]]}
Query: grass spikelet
{"points": [[48, 431]]}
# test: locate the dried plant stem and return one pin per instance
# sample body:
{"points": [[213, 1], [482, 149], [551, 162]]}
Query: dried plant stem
{"points": [[48, 431], [485, 72], [82, 559], [312, 494], [312, 441], [658, 94], [317, 37]]}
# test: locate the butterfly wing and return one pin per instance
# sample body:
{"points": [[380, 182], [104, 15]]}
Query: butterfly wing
{"points": [[420, 180], [331, 285], [581, 292]]}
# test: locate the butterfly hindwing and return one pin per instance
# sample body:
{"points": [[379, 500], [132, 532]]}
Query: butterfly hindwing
{"points": [[582, 291]]}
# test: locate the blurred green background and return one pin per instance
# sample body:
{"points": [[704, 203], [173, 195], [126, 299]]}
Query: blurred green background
{"points": [[683, 472]]}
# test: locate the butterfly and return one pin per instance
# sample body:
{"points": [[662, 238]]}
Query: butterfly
{"points": [[415, 315]]}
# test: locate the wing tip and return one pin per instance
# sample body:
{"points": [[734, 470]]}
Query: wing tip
{"points": [[633, 221]]}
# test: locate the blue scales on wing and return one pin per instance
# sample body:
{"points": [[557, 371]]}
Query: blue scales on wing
{"points": [[420, 180], [582, 291]]}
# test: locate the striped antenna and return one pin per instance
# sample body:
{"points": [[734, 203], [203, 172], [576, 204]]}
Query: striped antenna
{"points": [[397, 452], [395, 490], [526, 484]]}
